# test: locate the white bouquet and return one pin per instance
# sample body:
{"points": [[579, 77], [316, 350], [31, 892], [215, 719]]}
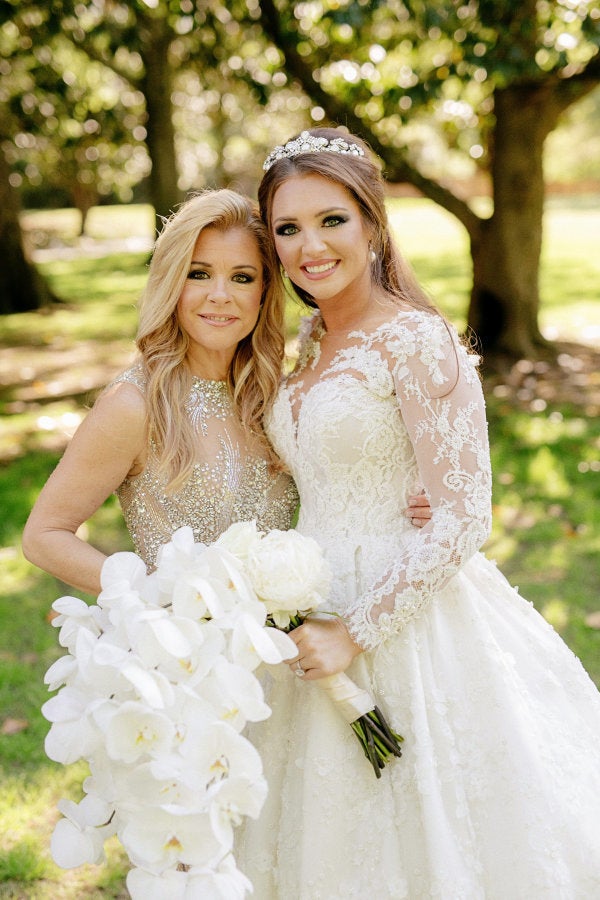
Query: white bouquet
{"points": [[155, 689], [289, 574]]}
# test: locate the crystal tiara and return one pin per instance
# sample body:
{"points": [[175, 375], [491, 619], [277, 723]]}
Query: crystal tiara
{"points": [[308, 143]]}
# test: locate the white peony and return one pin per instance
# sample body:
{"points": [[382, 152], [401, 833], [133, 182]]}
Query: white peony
{"points": [[239, 539], [289, 574]]}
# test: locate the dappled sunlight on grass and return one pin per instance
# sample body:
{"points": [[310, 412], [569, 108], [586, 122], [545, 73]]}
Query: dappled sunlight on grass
{"points": [[546, 530], [546, 471], [556, 612], [100, 302], [570, 274], [441, 262], [28, 813]]}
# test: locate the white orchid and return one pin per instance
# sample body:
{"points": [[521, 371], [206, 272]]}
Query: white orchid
{"points": [[167, 838], [122, 572], [74, 615], [79, 837], [155, 690], [253, 643], [135, 730], [221, 753], [231, 799], [235, 693], [61, 672], [72, 735], [144, 885], [223, 882]]}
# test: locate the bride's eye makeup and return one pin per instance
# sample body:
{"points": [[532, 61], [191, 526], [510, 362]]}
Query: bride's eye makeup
{"points": [[286, 229], [331, 221], [197, 274]]}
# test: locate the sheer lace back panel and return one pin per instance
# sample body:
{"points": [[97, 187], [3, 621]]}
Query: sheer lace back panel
{"points": [[230, 481], [363, 423]]}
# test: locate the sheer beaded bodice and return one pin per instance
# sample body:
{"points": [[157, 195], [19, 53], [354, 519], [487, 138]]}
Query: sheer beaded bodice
{"points": [[363, 427], [229, 481]]}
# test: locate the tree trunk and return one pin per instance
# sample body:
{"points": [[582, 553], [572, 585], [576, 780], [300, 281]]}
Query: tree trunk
{"points": [[22, 288], [506, 247], [157, 87]]}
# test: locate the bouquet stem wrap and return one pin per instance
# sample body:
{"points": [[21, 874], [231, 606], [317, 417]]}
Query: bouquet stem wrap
{"points": [[351, 700], [359, 709]]}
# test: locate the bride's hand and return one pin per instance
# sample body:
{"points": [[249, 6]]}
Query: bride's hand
{"points": [[324, 648]]}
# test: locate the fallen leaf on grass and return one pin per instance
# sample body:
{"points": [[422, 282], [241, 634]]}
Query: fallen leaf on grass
{"points": [[13, 726]]}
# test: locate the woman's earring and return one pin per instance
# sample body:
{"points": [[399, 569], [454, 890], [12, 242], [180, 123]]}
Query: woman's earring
{"points": [[284, 274], [372, 255]]}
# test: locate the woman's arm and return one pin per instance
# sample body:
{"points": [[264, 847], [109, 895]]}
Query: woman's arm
{"points": [[441, 402], [109, 445]]}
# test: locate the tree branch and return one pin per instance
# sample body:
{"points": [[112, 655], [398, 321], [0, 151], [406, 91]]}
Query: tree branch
{"points": [[397, 169]]}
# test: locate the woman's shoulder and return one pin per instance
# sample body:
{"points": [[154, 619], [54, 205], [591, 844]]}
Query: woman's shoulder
{"points": [[134, 375], [423, 342], [123, 399]]}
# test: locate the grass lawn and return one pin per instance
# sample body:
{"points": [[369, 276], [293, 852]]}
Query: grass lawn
{"points": [[546, 455]]}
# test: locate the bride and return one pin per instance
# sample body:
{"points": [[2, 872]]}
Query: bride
{"points": [[497, 795]]}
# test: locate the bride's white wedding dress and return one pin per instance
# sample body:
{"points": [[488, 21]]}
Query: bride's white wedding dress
{"points": [[497, 794]]}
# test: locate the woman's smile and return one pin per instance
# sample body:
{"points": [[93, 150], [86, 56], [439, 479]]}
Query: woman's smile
{"points": [[319, 269]]}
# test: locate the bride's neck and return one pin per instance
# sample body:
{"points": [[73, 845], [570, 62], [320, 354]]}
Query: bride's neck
{"points": [[344, 318]]}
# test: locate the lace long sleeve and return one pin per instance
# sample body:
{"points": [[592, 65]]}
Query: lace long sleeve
{"points": [[441, 402]]}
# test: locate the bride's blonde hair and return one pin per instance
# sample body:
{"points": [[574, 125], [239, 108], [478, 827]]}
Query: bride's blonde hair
{"points": [[255, 370]]}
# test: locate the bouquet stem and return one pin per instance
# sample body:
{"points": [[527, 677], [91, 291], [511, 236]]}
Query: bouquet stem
{"points": [[370, 726]]}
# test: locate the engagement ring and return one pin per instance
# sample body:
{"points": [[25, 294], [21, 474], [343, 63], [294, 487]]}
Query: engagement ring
{"points": [[298, 670]]}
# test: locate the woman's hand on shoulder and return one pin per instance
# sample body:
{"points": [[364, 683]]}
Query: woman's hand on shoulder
{"points": [[325, 647], [418, 509]]}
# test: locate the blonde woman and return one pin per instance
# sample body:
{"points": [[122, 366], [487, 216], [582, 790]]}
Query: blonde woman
{"points": [[179, 436]]}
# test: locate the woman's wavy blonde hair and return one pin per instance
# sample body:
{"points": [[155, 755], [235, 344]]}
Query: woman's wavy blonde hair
{"points": [[255, 370]]}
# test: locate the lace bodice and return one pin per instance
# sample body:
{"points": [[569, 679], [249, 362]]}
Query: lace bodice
{"points": [[229, 483], [361, 425]]}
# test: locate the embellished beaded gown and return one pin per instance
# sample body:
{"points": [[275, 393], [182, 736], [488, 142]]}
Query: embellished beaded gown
{"points": [[497, 794], [230, 482]]}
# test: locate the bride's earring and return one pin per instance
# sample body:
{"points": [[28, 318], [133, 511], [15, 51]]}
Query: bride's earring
{"points": [[372, 255]]}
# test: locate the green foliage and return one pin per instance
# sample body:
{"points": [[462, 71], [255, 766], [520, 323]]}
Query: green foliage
{"points": [[73, 125], [406, 66]]}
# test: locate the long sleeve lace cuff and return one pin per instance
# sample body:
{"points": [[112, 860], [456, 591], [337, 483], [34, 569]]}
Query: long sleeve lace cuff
{"points": [[425, 569]]}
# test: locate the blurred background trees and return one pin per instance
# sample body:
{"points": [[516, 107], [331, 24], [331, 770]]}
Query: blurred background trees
{"points": [[152, 98]]}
